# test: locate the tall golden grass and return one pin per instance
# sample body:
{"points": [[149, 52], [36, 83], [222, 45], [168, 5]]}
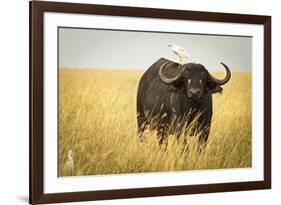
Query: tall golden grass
{"points": [[97, 122]]}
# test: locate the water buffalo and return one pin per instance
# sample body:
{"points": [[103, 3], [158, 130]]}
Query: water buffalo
{"points": [[171, 96]]}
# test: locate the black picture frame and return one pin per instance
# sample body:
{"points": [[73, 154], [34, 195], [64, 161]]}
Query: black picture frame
{"points": [[37, 9]]}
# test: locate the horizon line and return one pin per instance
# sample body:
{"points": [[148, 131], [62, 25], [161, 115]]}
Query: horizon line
{"points": [[132, 69]]}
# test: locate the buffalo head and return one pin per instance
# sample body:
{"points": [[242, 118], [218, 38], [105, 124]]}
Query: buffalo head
{"points": [[193, 78]]}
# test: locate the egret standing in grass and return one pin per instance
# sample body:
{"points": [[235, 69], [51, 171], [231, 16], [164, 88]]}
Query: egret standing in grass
{"points": [[179, 51], [70, 161]]}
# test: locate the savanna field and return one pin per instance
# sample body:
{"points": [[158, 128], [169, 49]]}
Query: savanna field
{"points": [[97, 123]]}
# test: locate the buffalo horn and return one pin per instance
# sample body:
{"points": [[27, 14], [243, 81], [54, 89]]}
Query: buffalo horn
{"points": [[227, 77], [164, 78]]}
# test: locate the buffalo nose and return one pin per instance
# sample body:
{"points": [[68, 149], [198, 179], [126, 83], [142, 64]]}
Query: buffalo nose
{"points": [[194, 91]]}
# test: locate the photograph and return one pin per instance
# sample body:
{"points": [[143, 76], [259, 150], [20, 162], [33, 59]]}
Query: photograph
{"points": [[129, 102], [132, 102]]}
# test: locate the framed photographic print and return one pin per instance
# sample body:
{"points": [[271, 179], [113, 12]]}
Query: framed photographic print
{"points": [[139, 102]]}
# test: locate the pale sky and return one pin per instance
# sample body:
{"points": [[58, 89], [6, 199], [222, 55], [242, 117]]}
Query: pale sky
{"points": [[99, 49]]}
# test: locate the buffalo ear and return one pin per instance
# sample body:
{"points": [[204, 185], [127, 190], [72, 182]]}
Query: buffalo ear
{"points": [[213, 86]]}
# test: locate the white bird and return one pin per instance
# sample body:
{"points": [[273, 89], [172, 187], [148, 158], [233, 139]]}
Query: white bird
{"points": [[179, 51], [70, 161]]}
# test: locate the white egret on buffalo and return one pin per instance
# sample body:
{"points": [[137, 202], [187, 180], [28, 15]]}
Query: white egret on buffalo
{"points": [[179, 51]]}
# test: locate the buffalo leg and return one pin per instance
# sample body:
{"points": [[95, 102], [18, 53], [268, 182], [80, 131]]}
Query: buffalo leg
{"points": [[162, 134], [203, 139], [142, 125]]}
